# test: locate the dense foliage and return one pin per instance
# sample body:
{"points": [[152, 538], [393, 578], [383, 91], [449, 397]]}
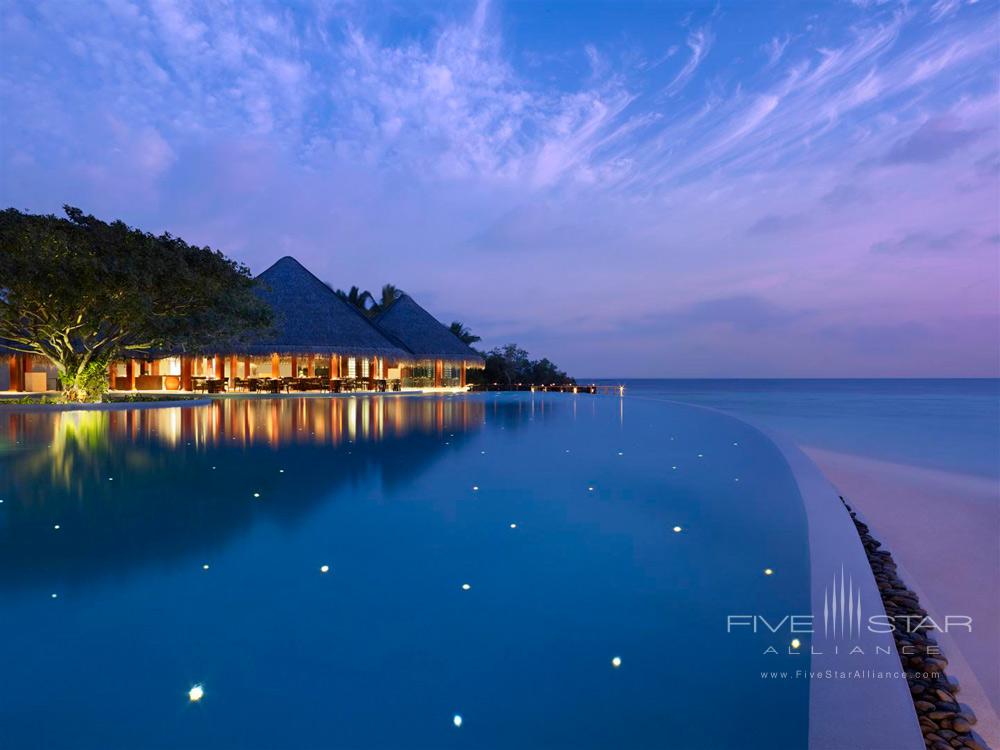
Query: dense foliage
{"points": [[82, 292], [510, 366]]}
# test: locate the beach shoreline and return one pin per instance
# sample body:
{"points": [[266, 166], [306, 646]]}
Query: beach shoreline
{"points": [[942, 529]]}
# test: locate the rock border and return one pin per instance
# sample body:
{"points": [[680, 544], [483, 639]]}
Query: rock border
{"points": [[944, 722]]}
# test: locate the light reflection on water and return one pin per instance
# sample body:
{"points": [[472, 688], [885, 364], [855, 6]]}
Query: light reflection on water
{"points": [[304, 559]]}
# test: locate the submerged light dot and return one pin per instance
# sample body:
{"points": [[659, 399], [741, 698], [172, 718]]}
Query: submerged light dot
{"points": [[55, 596], [796, 643], [768, 571], [324, 568], [513, 525], [456, 720], [205, 566], [677, 529], [196, 693], [475, 488], [256, 494], [56, 527], [466, 587], [616, 662]]}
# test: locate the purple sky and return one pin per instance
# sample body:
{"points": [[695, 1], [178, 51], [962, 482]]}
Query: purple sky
{"points": [[645, 189]]}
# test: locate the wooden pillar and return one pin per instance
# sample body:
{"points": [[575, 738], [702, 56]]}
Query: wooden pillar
{"points": [[295, 366], [16, 363], [246, 366], [340, 366], [461, 381], [311, 366], [275, 366], [218, 366], [130, 373], [186, 369], [112, 369], [154, 367], [438, 372], [232, 372]]}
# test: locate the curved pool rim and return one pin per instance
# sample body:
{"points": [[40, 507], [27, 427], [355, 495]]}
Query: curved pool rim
{"points": [[866, 714]]}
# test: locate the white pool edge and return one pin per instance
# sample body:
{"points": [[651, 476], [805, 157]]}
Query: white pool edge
{"points": [[866, 713]]}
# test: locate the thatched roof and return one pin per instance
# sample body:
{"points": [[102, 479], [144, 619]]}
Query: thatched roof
{"points": [[421, 333], [310, 318]]}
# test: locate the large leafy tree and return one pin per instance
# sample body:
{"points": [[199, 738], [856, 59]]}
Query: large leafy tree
{"points": [[82, 292]]}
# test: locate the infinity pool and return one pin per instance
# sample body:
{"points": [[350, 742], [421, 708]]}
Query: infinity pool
{"points": [[488, 557]]}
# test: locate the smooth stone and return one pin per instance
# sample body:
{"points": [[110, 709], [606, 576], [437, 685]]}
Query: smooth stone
{"points": [[961, 725], [967, 713]]}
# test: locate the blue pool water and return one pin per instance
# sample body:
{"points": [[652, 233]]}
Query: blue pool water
{"points": [[110, 619], [946, 424]]}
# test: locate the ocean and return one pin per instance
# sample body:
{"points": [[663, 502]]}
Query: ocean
{"points": [[950, 425]]}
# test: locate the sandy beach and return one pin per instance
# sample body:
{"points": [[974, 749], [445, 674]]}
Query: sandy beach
{"points": [[942, 529]]}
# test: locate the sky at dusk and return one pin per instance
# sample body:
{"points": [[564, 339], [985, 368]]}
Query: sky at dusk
{"points": [[634, 189]]}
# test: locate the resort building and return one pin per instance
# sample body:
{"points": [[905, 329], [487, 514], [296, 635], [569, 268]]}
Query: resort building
{"points": [[442, 359], [318, 342]]}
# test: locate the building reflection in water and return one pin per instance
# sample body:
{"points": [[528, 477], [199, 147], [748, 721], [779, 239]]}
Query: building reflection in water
{"points": [[146, 484]]}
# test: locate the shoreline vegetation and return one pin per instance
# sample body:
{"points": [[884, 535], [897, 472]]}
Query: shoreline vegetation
{"points": [[508, 367], [81, 293]]}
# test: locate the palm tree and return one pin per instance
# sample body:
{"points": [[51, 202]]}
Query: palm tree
{"points": [[357, 298], [390, 293], [464, 333]]}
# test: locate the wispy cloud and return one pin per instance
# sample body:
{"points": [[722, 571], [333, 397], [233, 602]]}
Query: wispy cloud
{"points": [[699, 42], [924, 242], [936, 139]]}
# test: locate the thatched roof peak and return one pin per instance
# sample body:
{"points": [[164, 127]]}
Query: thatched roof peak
{"points": [[310, 317], [422, 333]]}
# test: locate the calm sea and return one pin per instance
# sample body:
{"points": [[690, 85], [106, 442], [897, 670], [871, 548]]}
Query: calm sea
{"points": [[951, 425]]}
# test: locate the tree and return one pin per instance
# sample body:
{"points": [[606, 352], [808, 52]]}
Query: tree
{"points": [[81, 292], [390, 293], [357, 298], [510, 365], [463, 333]]}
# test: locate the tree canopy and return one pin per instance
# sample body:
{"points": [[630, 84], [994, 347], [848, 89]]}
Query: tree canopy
{"points": [[81, 292], [510, 365]]}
